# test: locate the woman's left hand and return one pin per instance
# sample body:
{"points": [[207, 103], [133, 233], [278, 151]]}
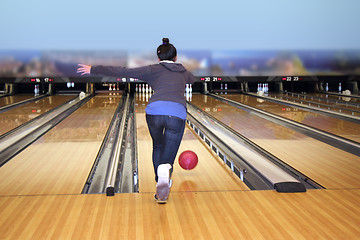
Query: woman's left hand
{"points": [[83, 69]]}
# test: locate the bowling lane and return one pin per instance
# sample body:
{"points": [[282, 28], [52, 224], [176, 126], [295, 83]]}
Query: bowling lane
{"points": [[346, 129], [15, 117], [14, 99], [209, 175], [324, 101], [60, 161], [331, 97], [338, 98], [327, 165]]}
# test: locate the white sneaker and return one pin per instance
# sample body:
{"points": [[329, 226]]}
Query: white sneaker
{"points": [[162, 192], [164, 183]]}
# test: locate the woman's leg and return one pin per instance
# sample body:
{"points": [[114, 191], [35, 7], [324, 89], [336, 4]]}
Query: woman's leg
{"points": [[166, 133], [156, 129], [173, 133]]}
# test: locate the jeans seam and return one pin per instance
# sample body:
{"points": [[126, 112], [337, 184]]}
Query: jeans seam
{"points": [[176, 118]]}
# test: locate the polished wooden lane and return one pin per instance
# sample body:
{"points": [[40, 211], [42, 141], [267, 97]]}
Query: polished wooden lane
{"points": [[337, 105], [343, 128], [316, 214], [209, 175], [14, 99], [333, 99], [15, 117], [336, 97], [59, 162], [327, 165]]}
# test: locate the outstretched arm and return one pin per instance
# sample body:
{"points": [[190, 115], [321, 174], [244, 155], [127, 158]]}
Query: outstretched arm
{"points": [[142, 73], [83, 69]]}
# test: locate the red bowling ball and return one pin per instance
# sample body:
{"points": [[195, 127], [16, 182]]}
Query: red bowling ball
{"points": [[188, 160]]}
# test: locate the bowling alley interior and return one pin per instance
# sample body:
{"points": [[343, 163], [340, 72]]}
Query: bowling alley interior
{"points": [[278, 158]]}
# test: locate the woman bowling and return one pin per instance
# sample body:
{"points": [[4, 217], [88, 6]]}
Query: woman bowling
{"points": [[166, 111]]}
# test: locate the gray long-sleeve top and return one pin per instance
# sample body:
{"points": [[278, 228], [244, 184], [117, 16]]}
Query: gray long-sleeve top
{"points": [[167, 79]]}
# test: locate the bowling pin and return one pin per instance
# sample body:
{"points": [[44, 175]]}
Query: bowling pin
{"points": [[143, 88], [36, 90], [187, 88], [190, 88], [327, 87], [339, 87], [68, 84], [221, 86], [147, 88], [110, 87], [136, 88], [72, 84]]}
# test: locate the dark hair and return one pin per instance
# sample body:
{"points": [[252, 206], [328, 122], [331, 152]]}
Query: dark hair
{"points": [[166, 51]]}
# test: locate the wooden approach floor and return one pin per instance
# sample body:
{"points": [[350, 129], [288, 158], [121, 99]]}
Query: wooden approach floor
{"points": [[316, 214]]}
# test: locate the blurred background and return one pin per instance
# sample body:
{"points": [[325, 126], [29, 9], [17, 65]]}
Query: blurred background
{"points": [[223, 38]]}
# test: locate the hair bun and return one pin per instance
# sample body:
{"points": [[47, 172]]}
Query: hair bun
{"points": [[166, 41]]}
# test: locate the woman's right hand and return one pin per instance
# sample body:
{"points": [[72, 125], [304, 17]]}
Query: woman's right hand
{"points": [[83, 69]]}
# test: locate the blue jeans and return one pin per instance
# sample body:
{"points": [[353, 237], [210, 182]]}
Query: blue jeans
{"points": [[166, 133]]}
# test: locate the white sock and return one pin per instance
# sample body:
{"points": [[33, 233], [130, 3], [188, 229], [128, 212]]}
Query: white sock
{"points": [[163, 173]]}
